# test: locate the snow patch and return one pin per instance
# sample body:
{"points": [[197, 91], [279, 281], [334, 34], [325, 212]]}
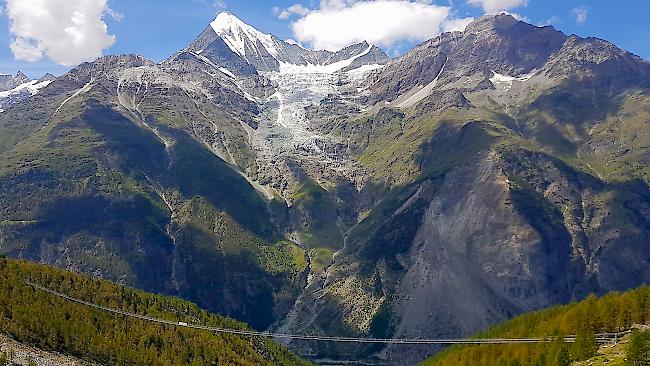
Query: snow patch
{"points": [[293, 42], [505, 82], [204, 59], [422, 93], [32, 87], [84, 89], [287, 68], [227, 72], [365, 68]]}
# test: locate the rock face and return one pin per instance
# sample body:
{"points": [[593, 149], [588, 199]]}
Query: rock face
{"points": [[497, 205], [489, 45], [16, 88], [485, 173], [284, 80], [244, 50], [8, 82], [24, 355]]}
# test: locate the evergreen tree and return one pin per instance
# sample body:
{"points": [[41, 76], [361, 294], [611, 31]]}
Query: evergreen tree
{"points": [[585, 345], [638, 350], [559, 353], [615, 311]]}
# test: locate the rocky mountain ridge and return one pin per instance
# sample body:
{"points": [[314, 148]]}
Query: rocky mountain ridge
{"points": [[8, 82], [483, 174], [480, 134], [16, 88], [265, 52]]}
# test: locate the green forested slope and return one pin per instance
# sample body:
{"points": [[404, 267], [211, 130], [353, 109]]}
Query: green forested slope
{"points": [[51, 323], [610, 313], [92, 189]]}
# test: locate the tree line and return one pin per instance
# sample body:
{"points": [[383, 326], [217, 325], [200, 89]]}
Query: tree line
{"points": [[50, 323], [610, 313]]}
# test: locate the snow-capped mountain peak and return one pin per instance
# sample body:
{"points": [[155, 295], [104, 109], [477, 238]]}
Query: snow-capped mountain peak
{"points": [[241, 37], [229, 42], [14, 89]]}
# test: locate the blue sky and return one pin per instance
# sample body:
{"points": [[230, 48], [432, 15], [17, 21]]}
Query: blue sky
{"points": [[158, 28]]}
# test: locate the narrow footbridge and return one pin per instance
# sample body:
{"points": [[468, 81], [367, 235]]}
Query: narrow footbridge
{"points": [[600, 338]]}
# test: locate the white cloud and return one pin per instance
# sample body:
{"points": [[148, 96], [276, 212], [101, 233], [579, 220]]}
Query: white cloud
{"points": [[580, 13], [339, 23], [26, 49], [292, 41], [495, 6], [519, 17], [455, 24], [118, 17], [550, 21], [297, 9], [219, 4], [67, 31]]}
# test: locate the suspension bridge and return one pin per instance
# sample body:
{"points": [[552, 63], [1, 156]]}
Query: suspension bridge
{"points": [[600, 338]]}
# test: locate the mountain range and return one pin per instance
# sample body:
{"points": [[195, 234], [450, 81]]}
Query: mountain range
{"points": [[483, 174], [16, 88]]}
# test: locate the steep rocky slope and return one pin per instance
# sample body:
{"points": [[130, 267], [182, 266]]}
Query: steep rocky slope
{"points": [[496, 203], [18, 354]]}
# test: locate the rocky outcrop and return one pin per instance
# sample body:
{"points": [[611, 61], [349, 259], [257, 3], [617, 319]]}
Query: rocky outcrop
{"points": [[8, 82], [16, 88], [505, 233], [21, 355]]}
